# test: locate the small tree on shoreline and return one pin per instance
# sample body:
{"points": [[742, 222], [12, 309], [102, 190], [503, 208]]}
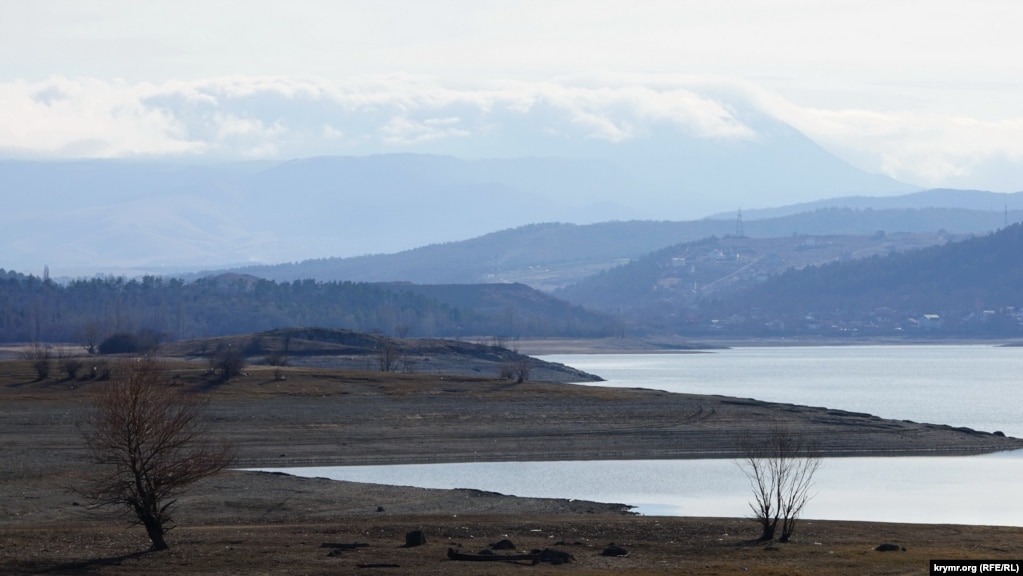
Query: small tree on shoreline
{"points": [[227, 361], [146, 439], [41, 358], [780, 469], [517, 369], [69, 363]]}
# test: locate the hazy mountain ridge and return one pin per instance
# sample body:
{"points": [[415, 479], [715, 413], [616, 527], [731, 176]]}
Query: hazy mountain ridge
{"points": [[554, 255], [134, 217], [978, 200]]}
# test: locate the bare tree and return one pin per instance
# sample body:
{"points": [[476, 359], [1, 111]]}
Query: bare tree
{"points": [[280, 357], [780, 469], [147, 440], [517, 368], [228, 361], [69, 363], [388, 353], [41, 358], [90, 336]]}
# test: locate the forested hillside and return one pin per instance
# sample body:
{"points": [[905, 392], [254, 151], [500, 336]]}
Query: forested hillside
{"points": [[971, 287], [880, 285], [37, 309], [652, 290]]}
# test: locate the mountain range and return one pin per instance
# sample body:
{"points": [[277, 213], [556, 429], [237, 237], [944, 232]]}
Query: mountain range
{"points": [[133, 216], [610, 216], [553, 255]]}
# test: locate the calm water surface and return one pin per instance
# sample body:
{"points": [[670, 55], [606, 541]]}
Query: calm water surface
{"points": [[973, 490], [975, 386]]}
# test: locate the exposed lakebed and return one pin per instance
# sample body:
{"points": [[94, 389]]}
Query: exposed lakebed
{"points": [[971, 386]]}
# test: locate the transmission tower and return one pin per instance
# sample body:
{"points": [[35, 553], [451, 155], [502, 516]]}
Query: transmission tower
{"points": [[739, 232]]}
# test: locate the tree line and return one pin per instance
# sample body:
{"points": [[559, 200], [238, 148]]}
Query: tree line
{"points": [[34, 309]]}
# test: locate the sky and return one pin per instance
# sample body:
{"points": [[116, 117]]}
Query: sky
{"points": [[927, 92]]}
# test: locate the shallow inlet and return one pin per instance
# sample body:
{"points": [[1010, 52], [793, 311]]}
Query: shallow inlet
{"points": [[941, 490]]}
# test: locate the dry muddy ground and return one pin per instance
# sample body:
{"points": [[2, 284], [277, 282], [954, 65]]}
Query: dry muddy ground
{"points": [[259, 523]]}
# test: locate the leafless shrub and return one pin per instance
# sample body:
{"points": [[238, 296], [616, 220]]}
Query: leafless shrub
{"points": [[517, 369], [780, 469], [41, 358], [69, 363], [227, 361], [277, 358], [388, 353], [101, 370], [147, 442]]}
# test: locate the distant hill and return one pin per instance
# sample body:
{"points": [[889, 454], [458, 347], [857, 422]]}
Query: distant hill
{"points": [[967, 289], [974, 286], [551, 256], [544, 256], [133, 217], [975, 200], [885, 285], [655, 291]]}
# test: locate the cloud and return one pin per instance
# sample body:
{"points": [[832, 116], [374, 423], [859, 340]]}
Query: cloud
{"points": [[277, 118], [929, 148], [401, 130], [87, 118], [243, 116]]}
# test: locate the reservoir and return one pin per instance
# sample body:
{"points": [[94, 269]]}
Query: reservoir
{"points": [[974, 386]]}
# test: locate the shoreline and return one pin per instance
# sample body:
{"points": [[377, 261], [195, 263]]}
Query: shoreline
{"points": [[653, 345], [250, 522], [255, 465]]}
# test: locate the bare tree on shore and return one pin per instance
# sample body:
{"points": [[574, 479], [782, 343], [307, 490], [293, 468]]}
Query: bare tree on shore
{"points": [[780, 468], [90, 335], [147, 440], [517, 368], [69, 362], [227, 361], [387, 354], [41, 358]]}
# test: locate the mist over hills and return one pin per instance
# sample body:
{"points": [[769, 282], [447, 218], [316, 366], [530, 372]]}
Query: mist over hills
{"points": [[545, 164], [546, 201]]}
